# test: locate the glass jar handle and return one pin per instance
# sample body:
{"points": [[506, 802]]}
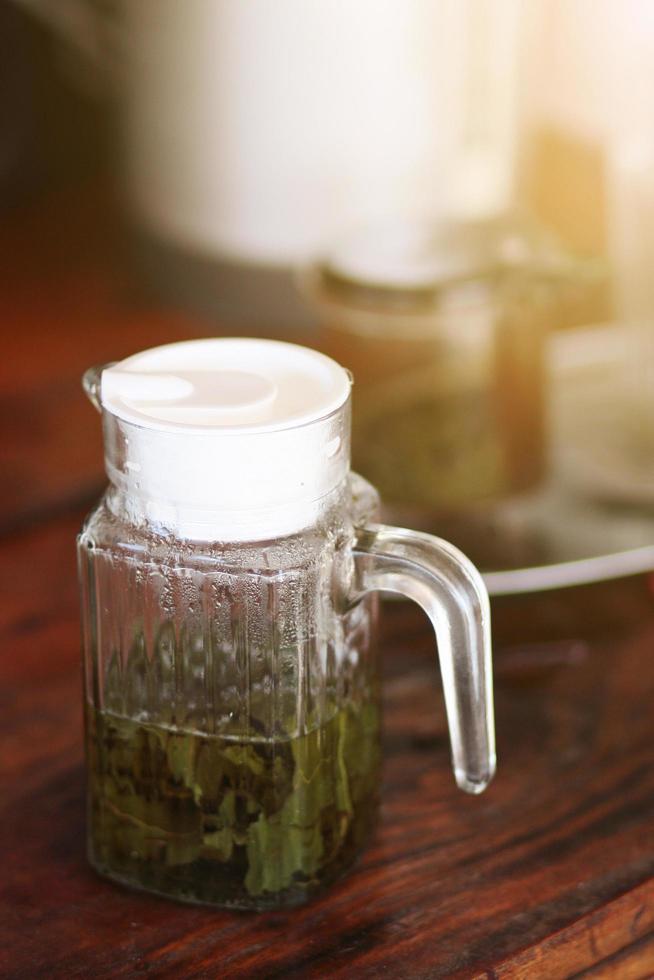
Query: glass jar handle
{"points": [[449, 588]]}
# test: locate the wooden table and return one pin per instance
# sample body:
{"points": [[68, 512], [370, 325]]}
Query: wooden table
{"points": [[549, 874]]}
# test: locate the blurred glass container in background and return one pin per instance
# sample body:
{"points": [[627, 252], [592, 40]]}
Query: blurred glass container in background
{"points": [[443, 328]]}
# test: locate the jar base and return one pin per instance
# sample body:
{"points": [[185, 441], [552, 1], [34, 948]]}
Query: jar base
{"points": [[290, 898]]}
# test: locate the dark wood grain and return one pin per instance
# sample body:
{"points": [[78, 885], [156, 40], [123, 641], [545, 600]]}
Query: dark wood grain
{"points": [[549, 874]]}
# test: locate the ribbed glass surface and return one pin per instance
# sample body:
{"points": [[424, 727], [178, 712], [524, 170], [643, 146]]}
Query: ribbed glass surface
{"points": [[232, 716]]}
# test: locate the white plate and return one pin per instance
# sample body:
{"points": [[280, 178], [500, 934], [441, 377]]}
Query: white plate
{"points": [[594, 518]]}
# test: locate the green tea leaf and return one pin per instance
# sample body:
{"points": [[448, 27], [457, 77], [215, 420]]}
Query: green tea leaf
{"points": [[213, 816]]}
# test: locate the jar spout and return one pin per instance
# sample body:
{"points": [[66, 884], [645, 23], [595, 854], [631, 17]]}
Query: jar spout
{"points": [[91, 381]]}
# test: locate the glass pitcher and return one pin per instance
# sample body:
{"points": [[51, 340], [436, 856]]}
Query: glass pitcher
{"points": [[228, 579], [445, 328]]}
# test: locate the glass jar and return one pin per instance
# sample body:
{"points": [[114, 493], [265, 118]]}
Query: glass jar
{"points": [[444, 330], [228, 593]]}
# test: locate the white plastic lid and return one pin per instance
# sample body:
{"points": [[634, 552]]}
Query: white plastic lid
{"points": [[227, 439], [225, 383]]}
